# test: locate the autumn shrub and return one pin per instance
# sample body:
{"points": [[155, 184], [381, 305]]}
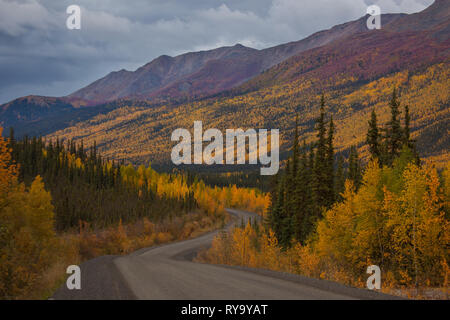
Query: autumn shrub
{"points": [[28, 243]]}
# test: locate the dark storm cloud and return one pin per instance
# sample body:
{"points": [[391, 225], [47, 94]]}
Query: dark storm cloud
{"points": [[39, 55]]}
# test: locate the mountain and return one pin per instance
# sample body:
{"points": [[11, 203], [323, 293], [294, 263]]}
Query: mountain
{"points": [[237, 86], [206, 72], [156, 74], [194, 74], [24, 111]]}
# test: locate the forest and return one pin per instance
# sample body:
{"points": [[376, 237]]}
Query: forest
{"points": [[62, 203], [326, 214], [331, 218]]}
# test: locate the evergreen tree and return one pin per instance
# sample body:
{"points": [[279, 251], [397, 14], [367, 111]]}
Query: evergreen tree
{"points": [[354, 167], [312, 210], [330, 166], [394, 132], [407, 141], [301, 192], [295, 149], [339, 179], [373, 136], [277, 216], [320, 164]]}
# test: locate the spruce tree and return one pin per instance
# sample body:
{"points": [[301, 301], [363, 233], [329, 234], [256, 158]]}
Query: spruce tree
{"points": [[373, 136], [295, 149], [312, 209], [407, 141], [339, 179], [277, 216], [354, 167], [301, 192], [330, 165], [320, 168], [394, 132]]}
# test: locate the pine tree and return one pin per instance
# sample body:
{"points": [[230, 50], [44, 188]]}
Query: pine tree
{"points": [[373, 136], [354, 167], [301, 193], [295, 149], [312, 209], [320, 168], [407, 141], [394, 133], [330, 166], [278, 213], [339, 179]]}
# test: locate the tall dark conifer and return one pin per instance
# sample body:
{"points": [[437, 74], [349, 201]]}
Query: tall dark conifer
{"points": [[354, 167], [373, 136], [394, 132], [320, 164], [339, 179], [330, 165], [407, 141]]}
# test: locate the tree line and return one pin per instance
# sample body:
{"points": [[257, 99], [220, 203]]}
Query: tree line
{"points": [[314, 177], [86, 187], [331, 221]]}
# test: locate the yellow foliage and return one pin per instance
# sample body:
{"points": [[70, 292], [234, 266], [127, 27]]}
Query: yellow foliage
{"points": [[397, 224]]}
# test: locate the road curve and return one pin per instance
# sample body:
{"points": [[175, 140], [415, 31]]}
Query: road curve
{"points": [[167, 272]]}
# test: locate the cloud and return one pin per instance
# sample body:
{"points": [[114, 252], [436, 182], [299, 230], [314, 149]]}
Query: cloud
{"points": [[39, 55], [18, 18]]}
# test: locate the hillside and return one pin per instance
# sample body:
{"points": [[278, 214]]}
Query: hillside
{"points": [[207, 72], [355, 68], [184, 77], [356, 74]]}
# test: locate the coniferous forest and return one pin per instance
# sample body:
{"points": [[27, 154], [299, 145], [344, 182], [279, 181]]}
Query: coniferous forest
{"points": [[87, 188], [314, 178]]}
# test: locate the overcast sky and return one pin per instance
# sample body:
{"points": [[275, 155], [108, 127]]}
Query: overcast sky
{"points": [[39, 55]]}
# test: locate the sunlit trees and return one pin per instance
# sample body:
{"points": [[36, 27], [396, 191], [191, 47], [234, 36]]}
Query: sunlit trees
{"points": [[95, 207], [27, 237], [394, 214], [417, 226]]}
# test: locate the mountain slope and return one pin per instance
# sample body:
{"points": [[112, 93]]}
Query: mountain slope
{"points": [[208, 72], [24, 111], [188, 75], [356, 74], [155, 74], [356, 70]]}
